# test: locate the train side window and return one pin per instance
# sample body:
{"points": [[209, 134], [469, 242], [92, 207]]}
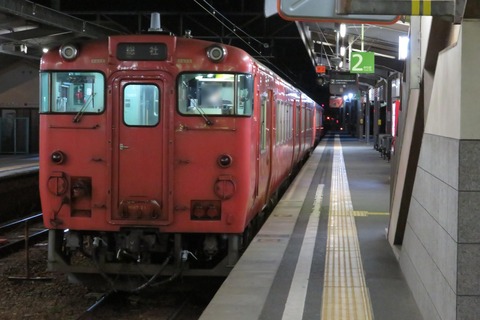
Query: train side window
{"points": [[302, 123], [263, 124], [72, 92], [44, 92], [297, 124], [141, 105], [280, 122]]}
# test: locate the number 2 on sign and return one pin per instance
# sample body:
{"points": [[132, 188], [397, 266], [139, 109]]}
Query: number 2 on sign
{"points": [[356, 66]]}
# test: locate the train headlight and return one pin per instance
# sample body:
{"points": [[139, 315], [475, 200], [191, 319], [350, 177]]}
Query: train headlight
{"points": [[68, 52], [58, 157], [216, 53], [224, 161]]}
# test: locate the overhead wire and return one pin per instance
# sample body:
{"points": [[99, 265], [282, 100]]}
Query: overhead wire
{"points": [[234, 28]]}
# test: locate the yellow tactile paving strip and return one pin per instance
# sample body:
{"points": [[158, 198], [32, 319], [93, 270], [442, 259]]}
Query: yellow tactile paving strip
{"points": [[369, 213], [345, 294]]}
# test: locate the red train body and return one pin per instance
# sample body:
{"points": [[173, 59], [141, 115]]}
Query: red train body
{"points": [[156, 148]]}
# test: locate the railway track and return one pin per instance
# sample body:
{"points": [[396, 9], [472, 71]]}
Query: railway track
{"points": [[181, 301], [16, 235], [173, 310], [179, 310], [102, 300]]}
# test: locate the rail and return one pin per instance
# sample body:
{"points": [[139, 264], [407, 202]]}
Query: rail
{"points": [[16, 244]]}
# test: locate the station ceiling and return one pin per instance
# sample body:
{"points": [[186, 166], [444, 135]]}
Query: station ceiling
{"points": [[294, 48]]}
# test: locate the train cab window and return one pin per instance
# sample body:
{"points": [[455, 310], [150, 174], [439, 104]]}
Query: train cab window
{"points": [[141, 105], [72, 92], [219, 94]]}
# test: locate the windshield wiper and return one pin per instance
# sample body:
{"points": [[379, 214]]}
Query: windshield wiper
{"points": [[80, 112], [204, 116]]}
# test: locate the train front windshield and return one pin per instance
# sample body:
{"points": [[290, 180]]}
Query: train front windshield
{"points": [[215, 94], [72, 92]]}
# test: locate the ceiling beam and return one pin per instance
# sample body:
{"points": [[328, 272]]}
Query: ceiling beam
{"points": [[31, 34], [33, 12], [369, 81]]}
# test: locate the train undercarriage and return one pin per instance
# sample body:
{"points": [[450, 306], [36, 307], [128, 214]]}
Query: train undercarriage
{"points": [[136, 258], [133, 259]]}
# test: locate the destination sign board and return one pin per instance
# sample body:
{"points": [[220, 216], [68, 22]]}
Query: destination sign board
{"points": [[141, 51]]}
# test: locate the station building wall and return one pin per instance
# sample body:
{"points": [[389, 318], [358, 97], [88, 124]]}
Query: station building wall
{"points": [[19, 96], [440, 255]]}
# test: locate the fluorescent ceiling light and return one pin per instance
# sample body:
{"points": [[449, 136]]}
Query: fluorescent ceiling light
{"points": [[343, 30], [324, 43], [402, 47]]}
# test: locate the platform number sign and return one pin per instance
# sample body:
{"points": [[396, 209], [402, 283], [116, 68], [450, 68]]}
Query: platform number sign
{"points": [[362, 62]]}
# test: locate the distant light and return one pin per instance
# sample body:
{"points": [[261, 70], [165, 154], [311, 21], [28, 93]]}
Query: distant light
{"points": [[350, 95], [340, 64], [403, 47], [343, 30], [45, 50], [345, 97], [342, 51]]}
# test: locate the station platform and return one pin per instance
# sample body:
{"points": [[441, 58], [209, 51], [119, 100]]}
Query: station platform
{"points": [[323, 252], [12, 165]]}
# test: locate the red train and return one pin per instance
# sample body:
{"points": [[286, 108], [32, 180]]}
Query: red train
{"points": [[158, 149]]}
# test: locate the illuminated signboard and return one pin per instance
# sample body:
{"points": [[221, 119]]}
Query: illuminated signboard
{"points": [[142, 51], [342, 82], [362, 62]]}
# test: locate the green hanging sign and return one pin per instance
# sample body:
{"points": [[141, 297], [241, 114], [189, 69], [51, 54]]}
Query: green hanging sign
{"points": [[362, 62]]}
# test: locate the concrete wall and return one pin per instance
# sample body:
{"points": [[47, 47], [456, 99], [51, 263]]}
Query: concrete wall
{"points": [[19, 85], [440, 255]]}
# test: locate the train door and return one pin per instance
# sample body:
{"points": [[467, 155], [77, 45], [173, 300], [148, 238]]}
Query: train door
{"points": [[265, 144], [298, 135], [270, 121], [304, 127], [139, 152]]}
